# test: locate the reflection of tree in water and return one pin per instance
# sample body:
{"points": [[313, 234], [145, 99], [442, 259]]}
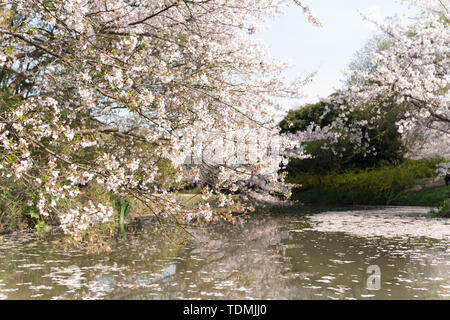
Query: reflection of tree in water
{"points": [[280, 259], [147, 258], [235, 262], [24, 261], [271, 257], [31, 268]]}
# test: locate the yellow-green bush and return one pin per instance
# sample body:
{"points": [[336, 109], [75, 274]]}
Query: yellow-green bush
{"points": [[370, 186]]}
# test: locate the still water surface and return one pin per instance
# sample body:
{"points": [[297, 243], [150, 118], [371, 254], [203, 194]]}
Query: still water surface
{"points": [[276, 256]]}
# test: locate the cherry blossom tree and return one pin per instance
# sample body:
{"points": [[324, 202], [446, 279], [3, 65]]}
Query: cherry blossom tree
{"points": [[104, 91], [407, 81]]}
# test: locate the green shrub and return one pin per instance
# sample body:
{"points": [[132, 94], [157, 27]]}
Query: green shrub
{"points": [[426, 197], [15, 211], [443, 210], [370, 186]]}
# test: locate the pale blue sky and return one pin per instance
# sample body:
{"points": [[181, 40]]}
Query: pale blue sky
{"points": [[328, 49]]}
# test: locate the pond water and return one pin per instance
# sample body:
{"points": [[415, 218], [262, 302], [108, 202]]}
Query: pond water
{"points": [[328, 255]]}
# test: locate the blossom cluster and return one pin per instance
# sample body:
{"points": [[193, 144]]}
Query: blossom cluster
{"points": [[407, 80], [107, 91], [80, 219]]}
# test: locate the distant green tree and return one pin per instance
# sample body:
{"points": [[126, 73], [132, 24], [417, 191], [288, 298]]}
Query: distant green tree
{"points": [[300, 119], [327, 156]]}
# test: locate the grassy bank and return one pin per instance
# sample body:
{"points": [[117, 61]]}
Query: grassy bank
{"points": [[17, 213], [427, 197], [377, 186], [317, 196]]}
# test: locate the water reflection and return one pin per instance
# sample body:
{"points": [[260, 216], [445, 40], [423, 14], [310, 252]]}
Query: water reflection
{"points": [[269, 257]]}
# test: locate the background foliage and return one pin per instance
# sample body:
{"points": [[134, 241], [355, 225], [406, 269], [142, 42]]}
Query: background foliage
{"points": [[384, 185]]}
